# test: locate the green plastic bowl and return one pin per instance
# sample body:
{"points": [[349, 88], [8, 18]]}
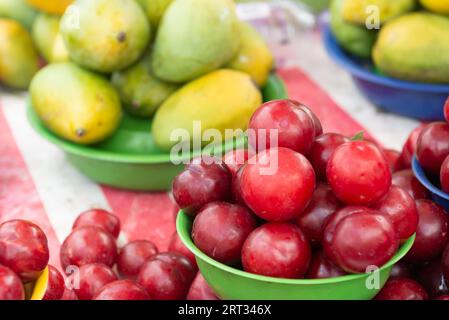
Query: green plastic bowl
{"points": [[233, 284], [130, 159]]}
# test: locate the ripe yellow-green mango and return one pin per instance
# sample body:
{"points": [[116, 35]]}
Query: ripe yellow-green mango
{"points": [[254, 57], [355, 39], [414, 47], [105, 35], [18, 10], [222, 99], [48, 39], [141, 92], [438, 6], [358, 11], [50, 6], [195, 37], [154, 9], [19, 60], [75, 104]]}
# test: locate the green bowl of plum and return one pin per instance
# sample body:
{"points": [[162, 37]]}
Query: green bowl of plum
{"points": [[230, 283]]}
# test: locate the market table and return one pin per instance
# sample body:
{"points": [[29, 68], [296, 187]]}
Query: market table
{"points": [[38, 184]]}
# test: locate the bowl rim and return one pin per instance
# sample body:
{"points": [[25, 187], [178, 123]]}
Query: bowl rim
{"points": [[344, 59], [184, 234], [420, 174], [274, 89]]}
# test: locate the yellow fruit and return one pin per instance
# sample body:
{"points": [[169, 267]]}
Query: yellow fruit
{"points": [[254, 56], [50, 6], [48, 39], [19, 60], [223, 99], [356, 11], [194, 38], [438, 6], [40, 286], [154, 9], [414, 47], [77, 105]]}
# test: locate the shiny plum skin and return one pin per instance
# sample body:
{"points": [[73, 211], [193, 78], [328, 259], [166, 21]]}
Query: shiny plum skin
{"points": [[361, 240], [92, 277], [277, 184], [200, 290], [99, 218], [277, 250], [220, 229], [321, 151], [446, 110], [176, 245], [86, 245], [406, 180], [133, 255], [122, 290], [167, 276], [236, 189], [400, 270], [433, 147], [334, 220], [235, 159], [431, 277], [432, 234], [402, 289], [392, 157], [444, 175], [295, 128], [358, 173], [203, 181], [400, 208], [11, 287], [316, 121], [321, 268], [320, 208], [409, 148], [23, 249], [56, 285]]}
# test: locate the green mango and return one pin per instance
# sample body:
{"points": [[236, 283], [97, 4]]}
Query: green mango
{"points": [[154, 9], [414, 47], [355, 39], [355, 11], [19, 60], [18, 10], [48, 39], [75, 104], [105, 35], [195, 37], [141, 92], [223, 99]]}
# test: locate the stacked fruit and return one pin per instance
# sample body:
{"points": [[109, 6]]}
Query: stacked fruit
{"points": [[432, 150], [95, 268], [311, 206], [420, 37], [172, 59], [24, 255]]}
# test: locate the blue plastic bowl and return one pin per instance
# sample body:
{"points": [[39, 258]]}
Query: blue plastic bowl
{"points": [[438, 195], [421, 101]]}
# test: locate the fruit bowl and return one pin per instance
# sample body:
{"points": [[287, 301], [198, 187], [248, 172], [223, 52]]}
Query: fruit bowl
{"points": [[233, 284], [421, 101], [130, 159], [438, 195]]}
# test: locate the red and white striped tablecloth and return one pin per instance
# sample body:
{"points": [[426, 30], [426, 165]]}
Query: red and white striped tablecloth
{"points": [[38, 184]]}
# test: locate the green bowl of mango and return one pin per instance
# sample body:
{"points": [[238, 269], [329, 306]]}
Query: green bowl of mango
{"points": [[130, 159]]}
